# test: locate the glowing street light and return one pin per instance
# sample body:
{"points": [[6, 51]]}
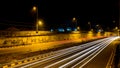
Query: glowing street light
{"points": [[113, 21], [36, 10], [39, 23], [89, 23], [78, 28], [74, 20], [117, 28], [97, 25]]}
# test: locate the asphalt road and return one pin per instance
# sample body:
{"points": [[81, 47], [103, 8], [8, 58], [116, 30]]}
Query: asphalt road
{"points": [[103, 59], [90, 55]]}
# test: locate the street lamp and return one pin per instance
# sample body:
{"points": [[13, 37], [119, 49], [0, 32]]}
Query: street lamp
{"points": [[78, 28], [89, 23], [116, 28], [74, 20], [39, 23], [36, 10]]}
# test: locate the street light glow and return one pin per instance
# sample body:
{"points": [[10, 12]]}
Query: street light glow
{"points": [[97, 25], [34, 8], [89, 23], [116, 28], [74, 19], [78, 27], [40, 22]]}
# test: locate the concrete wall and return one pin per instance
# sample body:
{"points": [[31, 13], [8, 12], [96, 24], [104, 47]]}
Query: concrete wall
{"points": [[22, 33], [26, 40]]}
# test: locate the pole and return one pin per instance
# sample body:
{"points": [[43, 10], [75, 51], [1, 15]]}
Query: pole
{"points": [[119, 19], [36, 19], [75, 21], [76, 24], [89, 24]]}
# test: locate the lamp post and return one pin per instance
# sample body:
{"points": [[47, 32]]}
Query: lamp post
{"points": [[74, 20], [36, 10], [89, 23], [119, 23], [117, 27]]}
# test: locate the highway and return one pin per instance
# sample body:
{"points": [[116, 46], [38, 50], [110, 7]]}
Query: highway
{"points": [[73, 57]]}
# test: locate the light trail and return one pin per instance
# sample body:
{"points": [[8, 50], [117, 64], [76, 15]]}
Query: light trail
{"points": [[82, 56], [94, 55], [73, 54]]}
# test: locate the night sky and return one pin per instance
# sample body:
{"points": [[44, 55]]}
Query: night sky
{"points": [[59, 13]]}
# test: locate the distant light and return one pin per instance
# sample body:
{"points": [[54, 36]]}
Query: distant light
{"points": [[69, 29], [40, 22], [97, 25], [74, 29], [74, 18], [34, 8], [61, 30], [89, 23], [51, 30], [113, 21], [78, 28], [100, 30], [116, 28]]}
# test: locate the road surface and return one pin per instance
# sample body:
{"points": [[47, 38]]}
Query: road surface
{"points": [[80, 56]]}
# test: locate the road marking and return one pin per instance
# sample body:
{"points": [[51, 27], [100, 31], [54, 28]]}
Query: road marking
{"points": [[110, 60], [99, 52]]}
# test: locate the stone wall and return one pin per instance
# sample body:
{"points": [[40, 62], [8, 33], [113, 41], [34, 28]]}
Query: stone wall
{"points": [[26, 40]]}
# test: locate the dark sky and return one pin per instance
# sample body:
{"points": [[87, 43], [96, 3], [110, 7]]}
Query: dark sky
{"points": [[58, 13]]}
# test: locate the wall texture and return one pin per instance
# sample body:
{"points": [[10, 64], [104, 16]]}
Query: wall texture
{"points": [[22, 38]]}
